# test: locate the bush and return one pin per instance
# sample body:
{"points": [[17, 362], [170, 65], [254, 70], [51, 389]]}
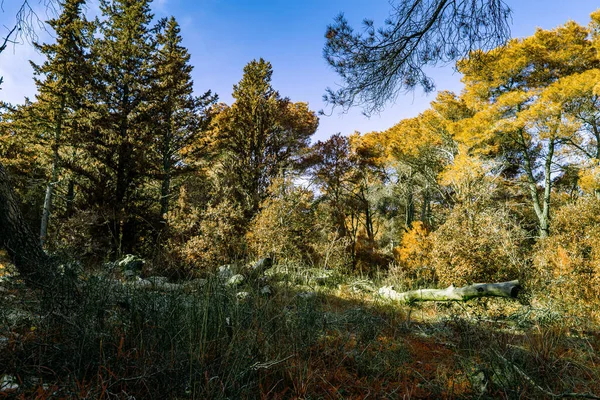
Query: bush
{"points": [[478, 245], [199, 241], [567, 264], [286, 225], [412, 256]]}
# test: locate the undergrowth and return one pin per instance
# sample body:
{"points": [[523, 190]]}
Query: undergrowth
{"points": [[316, 335]]}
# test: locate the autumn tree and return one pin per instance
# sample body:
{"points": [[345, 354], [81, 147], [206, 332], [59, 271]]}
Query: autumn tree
{"points": [[518, 94], [286, 226], [259, 137], [347, 172], [330, 170], [419, 149], [368, 175]]}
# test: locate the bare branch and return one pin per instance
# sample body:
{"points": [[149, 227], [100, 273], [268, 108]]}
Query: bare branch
{"points": [[379, 64]]}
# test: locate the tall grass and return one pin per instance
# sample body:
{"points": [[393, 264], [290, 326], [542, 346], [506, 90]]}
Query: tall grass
{"points": [[314, 336], [205, 342]]}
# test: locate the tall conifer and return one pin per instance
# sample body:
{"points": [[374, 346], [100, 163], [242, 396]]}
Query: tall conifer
{"points": [[60, 81], [118, 137], [180, 118]]}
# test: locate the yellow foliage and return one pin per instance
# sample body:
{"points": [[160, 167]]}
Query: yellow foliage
{"points": [[568, 262], [465, 175], [477, 244], [285, 226], [589, 177], [524, 89]]}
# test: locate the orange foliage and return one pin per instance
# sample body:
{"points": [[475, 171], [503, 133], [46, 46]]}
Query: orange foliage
{"points": [[413, 252], [568, 262]]}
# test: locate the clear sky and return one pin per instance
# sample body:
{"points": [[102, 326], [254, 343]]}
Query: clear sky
{"points": [[223, 35]]}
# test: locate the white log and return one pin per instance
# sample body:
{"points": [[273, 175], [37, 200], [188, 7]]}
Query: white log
{"points": [[502, 289]]}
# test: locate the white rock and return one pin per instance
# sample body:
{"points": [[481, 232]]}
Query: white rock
{"points": [[307, 295], [225, 272], [236, 280], [242, 296], [266, 290], [8, 382]]}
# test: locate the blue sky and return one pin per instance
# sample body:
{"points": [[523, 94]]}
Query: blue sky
{"points": [[223, 35]]}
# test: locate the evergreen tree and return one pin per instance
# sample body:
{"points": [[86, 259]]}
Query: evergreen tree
{"points": [[60, 81], [118, 136], [259, 136], [180, 118]]}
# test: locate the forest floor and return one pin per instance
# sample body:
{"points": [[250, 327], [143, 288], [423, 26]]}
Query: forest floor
{"points": [[309, 338]]}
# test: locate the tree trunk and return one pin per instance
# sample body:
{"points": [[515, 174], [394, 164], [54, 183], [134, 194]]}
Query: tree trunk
{"points": [[167, 151], [503, 289], [70, 198], [410, 205], [541, 206], [22, 245], [425, 207], [545, 218], [165, 193], [47, 211]]}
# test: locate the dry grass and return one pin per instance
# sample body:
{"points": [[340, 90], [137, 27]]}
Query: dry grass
{"points": [[340, 343]]}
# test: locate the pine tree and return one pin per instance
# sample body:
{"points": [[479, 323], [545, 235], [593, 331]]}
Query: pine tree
{"points": [[60, 81], [117, 140], [180, 118], [260, 136]]}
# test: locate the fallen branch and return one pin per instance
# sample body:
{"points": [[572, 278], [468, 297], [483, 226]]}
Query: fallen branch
{"points": [[503, 289]]}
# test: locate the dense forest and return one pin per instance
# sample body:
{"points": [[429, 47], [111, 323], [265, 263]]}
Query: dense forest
{"points": [[168, 245]]}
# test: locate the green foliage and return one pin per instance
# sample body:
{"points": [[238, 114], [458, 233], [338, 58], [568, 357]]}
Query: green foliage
{"points": [[179, 118], [286, 226], [258, 138]]}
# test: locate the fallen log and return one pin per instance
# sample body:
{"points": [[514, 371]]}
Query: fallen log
{"points": [[451, 293]]}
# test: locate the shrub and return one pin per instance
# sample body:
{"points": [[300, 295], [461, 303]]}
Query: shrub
{"points": [[478, 245], [285, 227], [199, 241], [413, 253], [567, 264]]}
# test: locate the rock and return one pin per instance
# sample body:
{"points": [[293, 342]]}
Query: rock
{"points": [[8, 383], [236, 280], [241, 296], [131, 265], [266, 290], [479, 381], [225, 272], [261, 266], [307, 295]]}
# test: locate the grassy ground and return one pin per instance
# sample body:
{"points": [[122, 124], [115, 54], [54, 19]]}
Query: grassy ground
{"points": [[313, 337]]}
